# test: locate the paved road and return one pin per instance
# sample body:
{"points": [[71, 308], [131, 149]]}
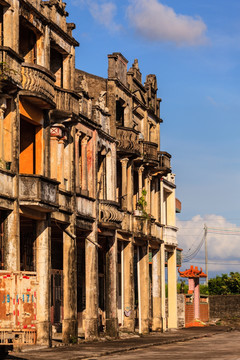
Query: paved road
{"points": [[221, 346], [207, 343]]}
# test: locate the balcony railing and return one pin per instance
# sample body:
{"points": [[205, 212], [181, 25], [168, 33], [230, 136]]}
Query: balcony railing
{"points": [[6, 186], [109, 212], [10, 67], [65, 198], [66, 101], [38, 192], [164, 159], [127, 223], [170, 235], [85, 206], [141, 226], [128, 140], [38, 82], [150, 151]]}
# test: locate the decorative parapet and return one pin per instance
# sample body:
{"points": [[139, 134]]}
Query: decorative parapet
{"points": [[128, 140], [10, 67], [38, 82], [127, 222], [150, 151], [65, 203], [109, 212], [38, 192], [164, 159], [101, 118], [85, 106], [6, 183], [66, 101], [141, 225], [170, 235], [85, 206]]}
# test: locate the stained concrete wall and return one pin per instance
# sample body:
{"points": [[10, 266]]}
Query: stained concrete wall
{"points": [[224, 306], [95, 83], [181, 310]]}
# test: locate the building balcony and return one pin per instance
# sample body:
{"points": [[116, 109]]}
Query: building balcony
{"points": [[150, 151], [10, 69], [6, 189], [38, 85], [170, 235], [38, 192], [128, 141], [127, 222], [65, 201], [67, 102], [164, 159], [141, 226], [109, 214], [85, 206]]}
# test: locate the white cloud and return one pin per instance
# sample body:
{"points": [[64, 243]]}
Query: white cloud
{"points": [[103, 12], [159, 22], [223, 246]]}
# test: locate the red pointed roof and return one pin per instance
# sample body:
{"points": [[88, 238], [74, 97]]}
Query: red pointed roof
{"points": [[192, 272]]}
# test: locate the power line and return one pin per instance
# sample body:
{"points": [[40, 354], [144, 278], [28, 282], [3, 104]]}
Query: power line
{"points": [[216, 263]]}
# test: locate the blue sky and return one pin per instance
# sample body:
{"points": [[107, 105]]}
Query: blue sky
{"points": [[194, 49]]}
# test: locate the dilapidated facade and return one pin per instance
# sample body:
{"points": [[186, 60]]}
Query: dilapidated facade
{"points": [[87, 198]]}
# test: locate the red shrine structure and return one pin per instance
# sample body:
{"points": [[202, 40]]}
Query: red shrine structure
{"points": [[193, 314]]}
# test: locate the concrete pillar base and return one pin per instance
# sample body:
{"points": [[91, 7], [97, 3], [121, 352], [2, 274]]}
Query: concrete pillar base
{"points": [[157, 324], [44, 333], [129, 325], [164, 324], [145, 326], [112, 327], [70, 331], [91, 329]]}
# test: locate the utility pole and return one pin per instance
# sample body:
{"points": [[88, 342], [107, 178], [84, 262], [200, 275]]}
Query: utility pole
{"points": [[206, 253]]}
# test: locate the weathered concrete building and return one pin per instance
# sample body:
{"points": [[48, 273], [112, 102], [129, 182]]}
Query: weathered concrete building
{"points": [[87, 198], [145, 193]]}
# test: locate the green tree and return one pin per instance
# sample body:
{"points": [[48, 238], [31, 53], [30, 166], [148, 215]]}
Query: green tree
{"points": [[225, 284]]}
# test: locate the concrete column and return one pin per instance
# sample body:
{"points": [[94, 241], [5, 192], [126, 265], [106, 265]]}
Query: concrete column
{"points": [[128, 263], [3, 108], [72, 68], [155, 202], [172, 290], [70, 328], [156, 289], [110, 177], [67, 71], [84, 165], [47, 48], [60, 161], [148, 189], [124, 163], [162, 216], [11, 26], [54, 154], [91, 271], [43, 261], [130, 188], [40, 51], [111, 287], [163, 296], [46, 163], [140, 180], [77, 176], [12, 240], [143, 273], [196, 299], [11, 224]]}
